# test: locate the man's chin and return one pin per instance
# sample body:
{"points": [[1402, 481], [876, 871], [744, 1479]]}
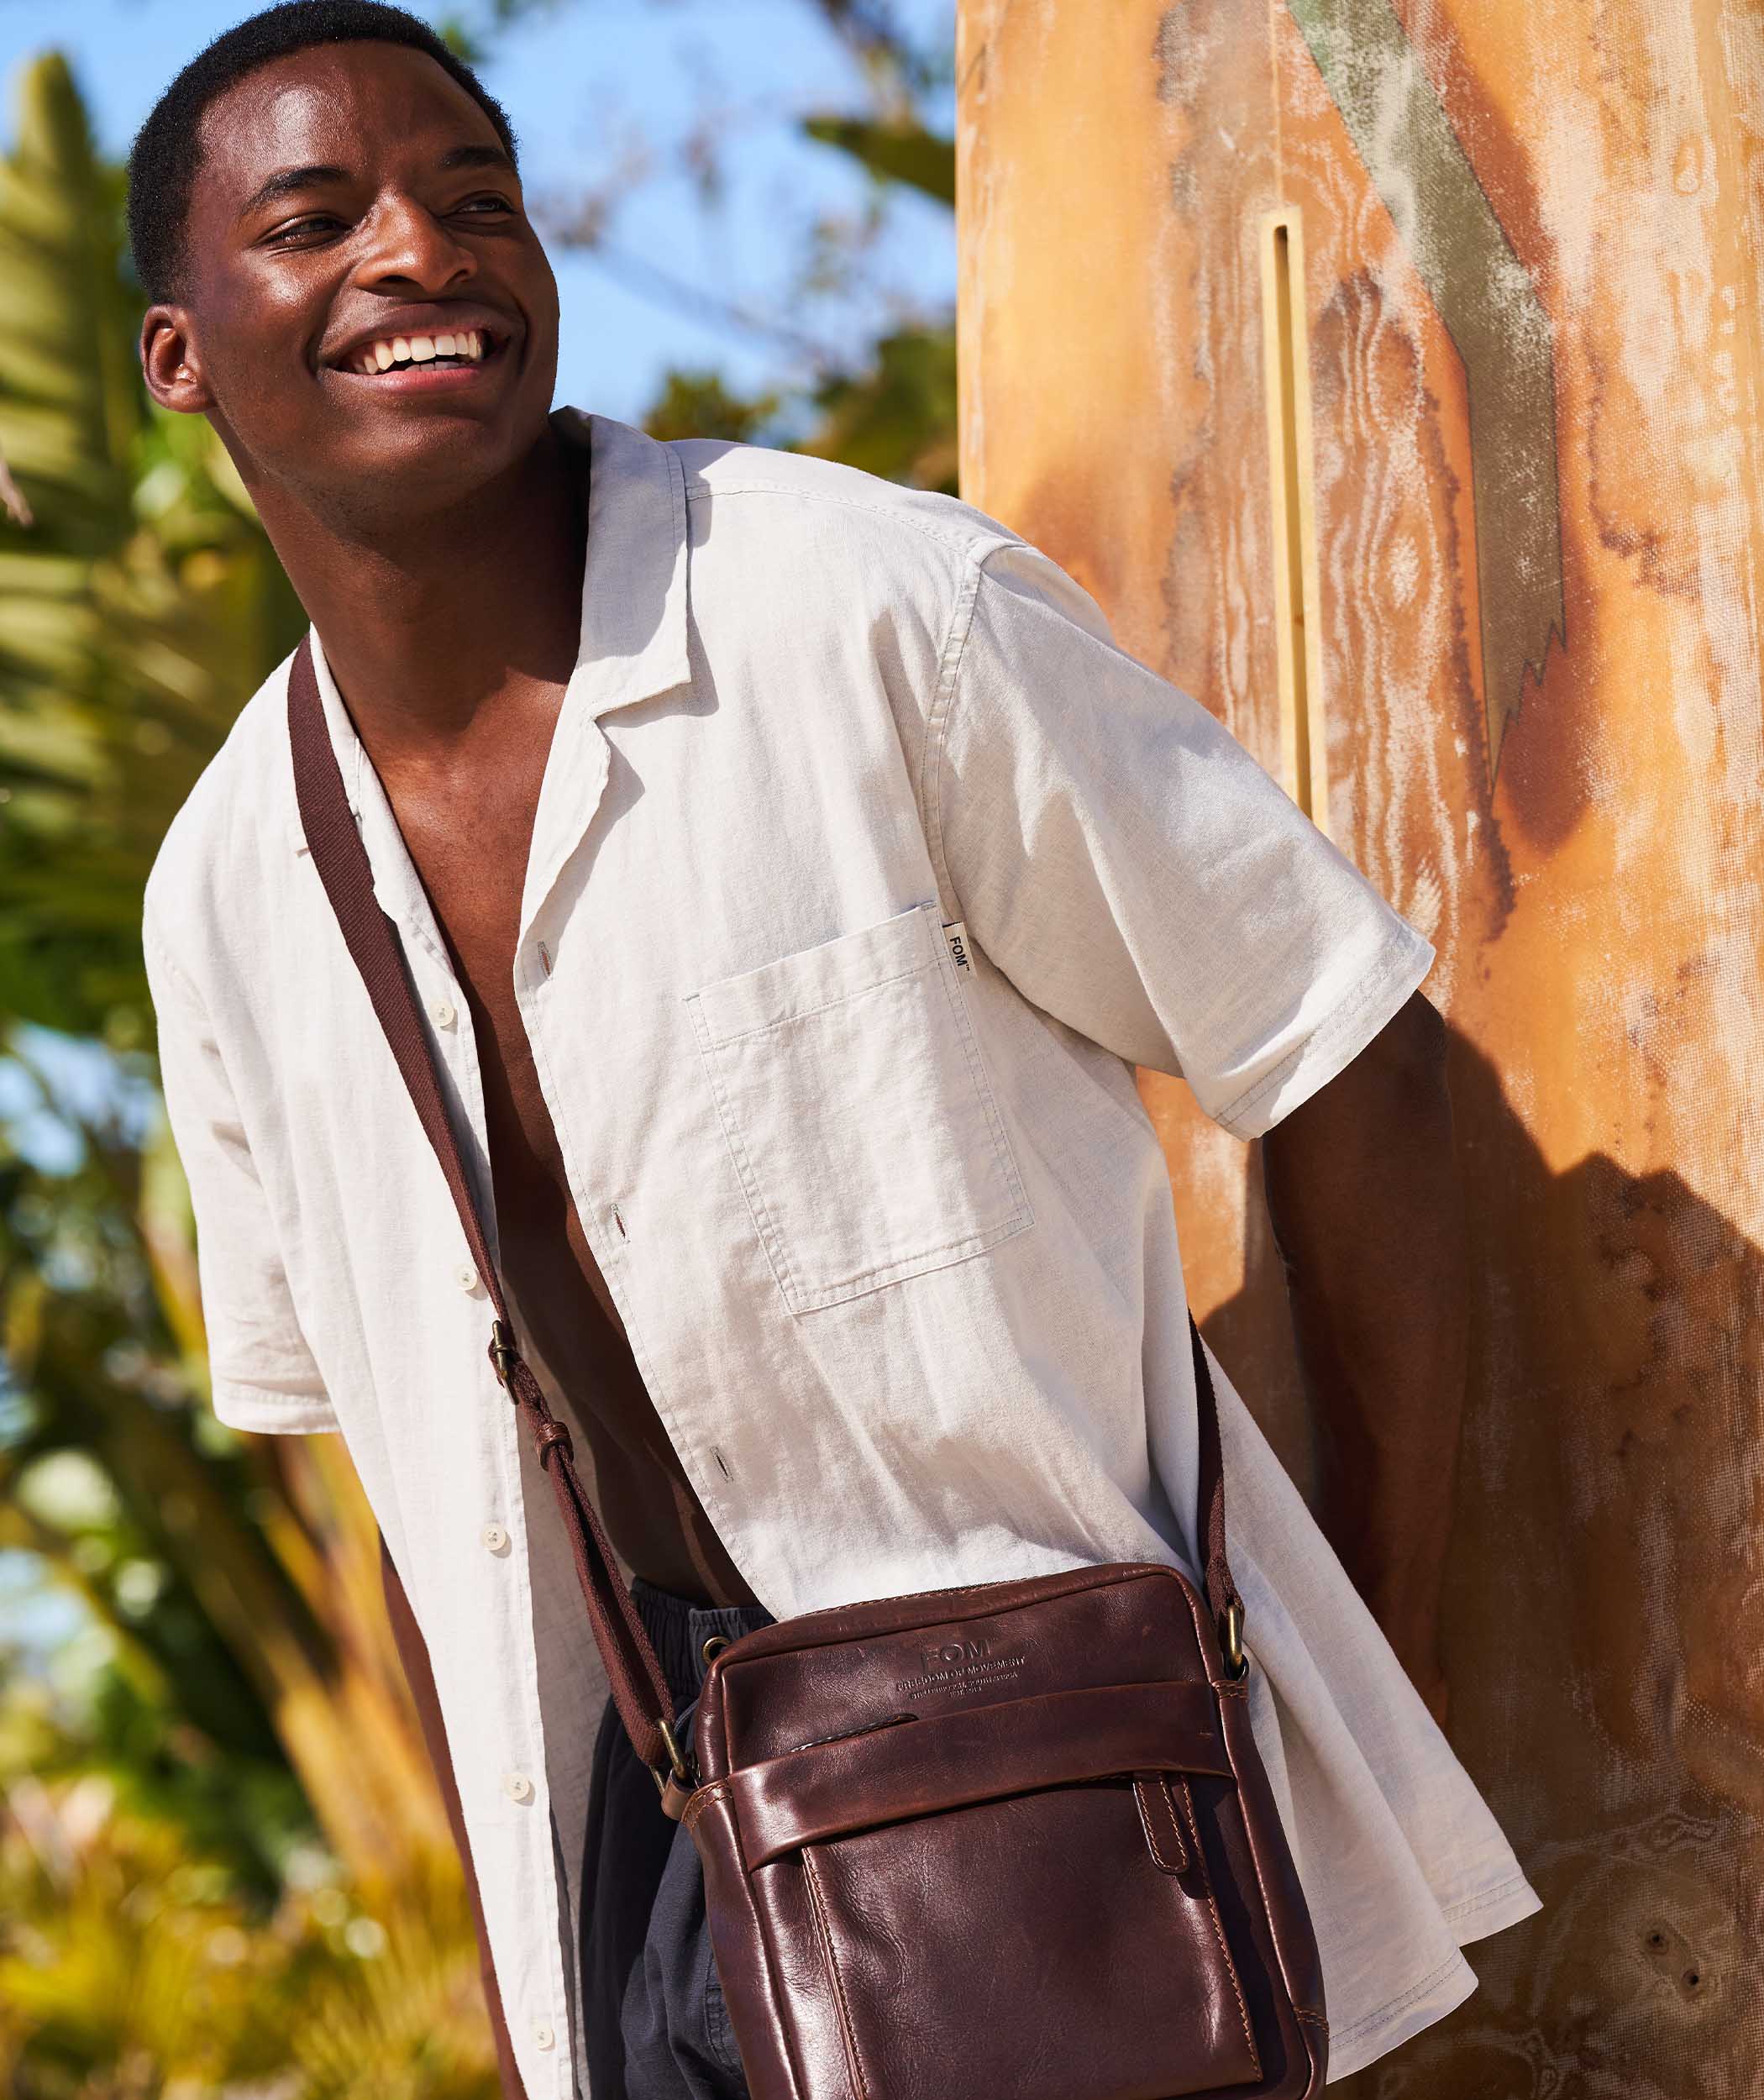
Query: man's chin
{"points": [[400, 464]]}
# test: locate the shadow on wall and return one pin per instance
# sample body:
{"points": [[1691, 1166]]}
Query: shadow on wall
{"points": [[1603, 1556]]}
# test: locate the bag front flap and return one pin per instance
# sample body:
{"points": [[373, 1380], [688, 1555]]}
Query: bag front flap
{"points": [[822, 1676]]}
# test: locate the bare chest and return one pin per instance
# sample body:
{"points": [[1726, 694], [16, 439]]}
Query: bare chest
{"points": [[471, 837]]}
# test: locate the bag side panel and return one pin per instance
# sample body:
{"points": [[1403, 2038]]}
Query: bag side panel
{"points": [[1265, 1912], [771, 1958]]}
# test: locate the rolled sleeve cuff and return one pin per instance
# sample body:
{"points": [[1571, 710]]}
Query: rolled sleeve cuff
{"points": [[1336, 1039], [273, 1413]]}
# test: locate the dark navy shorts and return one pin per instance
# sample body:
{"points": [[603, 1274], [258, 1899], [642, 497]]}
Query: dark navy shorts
{"points": [[656, 2024]]}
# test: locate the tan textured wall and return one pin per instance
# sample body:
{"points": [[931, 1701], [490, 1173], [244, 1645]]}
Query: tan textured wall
{"points": [[1532, 232]]}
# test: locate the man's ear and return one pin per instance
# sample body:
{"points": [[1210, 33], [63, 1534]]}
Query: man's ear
{"points": [[170, 363]]}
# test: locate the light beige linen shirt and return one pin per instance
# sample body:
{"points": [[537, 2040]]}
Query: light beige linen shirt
{"points": [[865, 869]]}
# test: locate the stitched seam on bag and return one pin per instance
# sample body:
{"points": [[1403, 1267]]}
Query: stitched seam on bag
{"points": [[1268, 1908], [787, 2044], [1316, 2019], [817, 1905], [1145, 1824], [1163, 1781], [1224, 1952], [1102, 1569], [701, 1798]]}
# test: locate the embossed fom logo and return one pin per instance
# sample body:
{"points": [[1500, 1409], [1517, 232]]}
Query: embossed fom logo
{"points": [[958, 1664]]}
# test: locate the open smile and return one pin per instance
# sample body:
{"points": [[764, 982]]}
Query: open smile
{"points": [[407, 362]]}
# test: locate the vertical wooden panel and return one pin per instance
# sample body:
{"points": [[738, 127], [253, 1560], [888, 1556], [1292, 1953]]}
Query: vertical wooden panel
{"points": [[1532, 235]]}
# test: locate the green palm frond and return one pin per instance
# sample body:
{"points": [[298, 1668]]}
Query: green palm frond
{"points": [[139, 601]]}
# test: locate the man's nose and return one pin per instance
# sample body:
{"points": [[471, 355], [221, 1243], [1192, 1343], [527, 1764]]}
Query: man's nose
{"points": [[408, 244]]}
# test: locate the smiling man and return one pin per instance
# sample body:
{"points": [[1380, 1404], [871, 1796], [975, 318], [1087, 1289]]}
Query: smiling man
{"points": [[791, 872]]}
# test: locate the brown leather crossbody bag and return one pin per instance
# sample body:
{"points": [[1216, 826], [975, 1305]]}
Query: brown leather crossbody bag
{"points": [[1007, 1842]]}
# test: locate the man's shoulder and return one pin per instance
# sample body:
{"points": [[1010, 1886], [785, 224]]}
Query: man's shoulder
{"points": [[799, 487], [235, 812]]}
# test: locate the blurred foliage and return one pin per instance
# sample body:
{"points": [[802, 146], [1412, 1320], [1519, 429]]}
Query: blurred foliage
{"points": [[129, 603], [899, 419], [901, 151], [223, 1865], [699, 405], [129, 1968]]}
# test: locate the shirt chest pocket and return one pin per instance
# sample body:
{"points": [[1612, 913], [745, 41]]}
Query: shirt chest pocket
{"points": [[859, 1116]]}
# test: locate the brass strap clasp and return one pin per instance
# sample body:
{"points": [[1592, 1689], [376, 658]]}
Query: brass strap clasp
{"points": [[676, 1785], [1231, 1637]]}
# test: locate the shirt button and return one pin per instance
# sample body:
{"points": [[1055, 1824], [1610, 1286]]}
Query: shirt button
{"points": [[518, 1786], [443, 1014], [466, 1276], [495, 1539], [543, 2037]]}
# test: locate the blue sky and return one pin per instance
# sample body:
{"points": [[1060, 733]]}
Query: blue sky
{"points": [[588, 84]]}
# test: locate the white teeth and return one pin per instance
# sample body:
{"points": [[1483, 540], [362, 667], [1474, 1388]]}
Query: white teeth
{"points": [[419, 349]]}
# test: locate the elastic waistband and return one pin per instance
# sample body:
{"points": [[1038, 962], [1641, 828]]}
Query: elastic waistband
{"points": [[678, 1630]]}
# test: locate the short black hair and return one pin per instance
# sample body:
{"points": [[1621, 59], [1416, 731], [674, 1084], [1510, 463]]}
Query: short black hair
{"points": [[167, 152]]}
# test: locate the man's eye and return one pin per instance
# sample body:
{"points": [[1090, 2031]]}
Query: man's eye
{"points": [[306, 225], [485, 204]]}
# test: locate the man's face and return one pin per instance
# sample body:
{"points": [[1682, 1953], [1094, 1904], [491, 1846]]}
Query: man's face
{"points": [[354, 204]]}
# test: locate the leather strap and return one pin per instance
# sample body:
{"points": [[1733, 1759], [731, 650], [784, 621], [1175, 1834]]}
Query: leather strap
{"points": [[639, 1688], [912, 1767]]}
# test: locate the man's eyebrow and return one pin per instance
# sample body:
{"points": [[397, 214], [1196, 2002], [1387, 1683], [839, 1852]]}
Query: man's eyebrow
{"points": [[477, 157], [286, 180]]}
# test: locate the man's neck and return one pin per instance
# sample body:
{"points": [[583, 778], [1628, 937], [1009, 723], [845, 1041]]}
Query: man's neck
{"points": [[425, 619]]}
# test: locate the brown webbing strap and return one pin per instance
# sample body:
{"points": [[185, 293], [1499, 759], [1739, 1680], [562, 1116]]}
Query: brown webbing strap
{"points": [[1222, 1591], [639, 1688]]}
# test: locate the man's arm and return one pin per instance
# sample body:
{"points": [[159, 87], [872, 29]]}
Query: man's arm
{"points": [[413, 1654], [1367, 1211]]}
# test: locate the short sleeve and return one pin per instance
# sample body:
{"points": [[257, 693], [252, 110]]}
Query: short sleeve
{"points": [[261, 1371], [1132, 869]]}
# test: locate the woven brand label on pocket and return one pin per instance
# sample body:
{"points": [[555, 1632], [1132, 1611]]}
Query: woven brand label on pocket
{"points": [[955, 931]]}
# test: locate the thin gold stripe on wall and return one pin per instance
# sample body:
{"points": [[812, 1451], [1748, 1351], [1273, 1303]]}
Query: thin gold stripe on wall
{"points": [[1286, 371]]}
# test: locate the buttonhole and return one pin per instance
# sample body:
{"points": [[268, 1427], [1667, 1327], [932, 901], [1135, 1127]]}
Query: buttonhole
{"points": [[619, 1222], [722, 1464]]}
